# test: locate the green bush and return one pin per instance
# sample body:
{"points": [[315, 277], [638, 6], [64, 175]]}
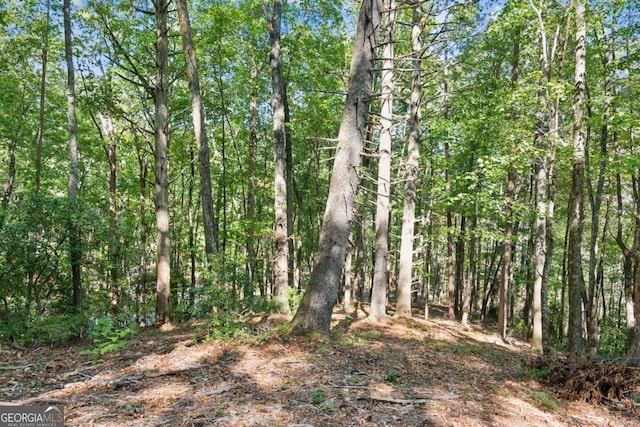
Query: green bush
{"points": [[51, 329], [107, 337], [613, 341]]}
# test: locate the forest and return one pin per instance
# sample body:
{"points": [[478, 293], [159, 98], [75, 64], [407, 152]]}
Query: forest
{"points": [[165, 162]]}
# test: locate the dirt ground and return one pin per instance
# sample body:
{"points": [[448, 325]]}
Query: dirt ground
{"points": [[390, 373]]}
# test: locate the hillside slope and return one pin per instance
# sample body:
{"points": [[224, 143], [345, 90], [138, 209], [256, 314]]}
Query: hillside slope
{"points": [[391, 373]]}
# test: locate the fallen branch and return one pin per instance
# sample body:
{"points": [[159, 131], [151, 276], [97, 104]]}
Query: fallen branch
{"points": [[396, 401], [13, 368], [364, 387]]}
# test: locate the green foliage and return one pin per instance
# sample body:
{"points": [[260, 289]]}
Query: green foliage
{"points": [[546, 400], [613, 340], [538, 374], [107, 337], [318, 396], [392, 376], [49, 329], [328, 405], [295, 297], [226, 325]]}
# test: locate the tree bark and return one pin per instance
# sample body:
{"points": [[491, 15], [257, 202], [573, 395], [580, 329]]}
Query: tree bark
{"points": [[595, 203], [508, 215], [161, 99], [75, 251], [575, 275], [383, 195], [143, 168], [451, 281], [281, 234], [403, 306], [43, 84], [199, 129], [314, 313], [252, 263], [114, 244]]}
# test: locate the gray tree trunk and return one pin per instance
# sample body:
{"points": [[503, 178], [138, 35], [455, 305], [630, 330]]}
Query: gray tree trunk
{"points": [[403, 306], [161, 98], [595, 203], [197, 114], [314, 313], [281, 235], [575, 275], [75, 250], [251, 186], [383, 195], [43, 84]]}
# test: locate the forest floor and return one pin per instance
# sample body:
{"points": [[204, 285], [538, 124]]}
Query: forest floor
{"points": [[389, 373]]}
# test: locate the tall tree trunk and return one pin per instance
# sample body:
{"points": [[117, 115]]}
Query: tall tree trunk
{"points": [[197, 114], [508, 256], [114, 244], [451, 281], [459, 264], [314, 313], [293, 238], [161, 98], [575, 275], [595, 203], [470, 281], [403, 306], [541, 182], [629, 257], [539, 246], [383, 205], [75, 251], [508, 215], [43, 84], [141, 283], [191, 222], [281, 235], [251, 186]]}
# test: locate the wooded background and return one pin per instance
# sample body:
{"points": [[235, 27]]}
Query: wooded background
{"points": [[162, 163]]}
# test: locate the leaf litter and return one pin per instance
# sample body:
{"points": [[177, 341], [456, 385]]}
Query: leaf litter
{"points": [[386, 373]]}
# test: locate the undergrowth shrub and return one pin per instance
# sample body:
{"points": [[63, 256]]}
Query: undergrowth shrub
{"points": [[613, 341], [46, 329], [107, 336]]}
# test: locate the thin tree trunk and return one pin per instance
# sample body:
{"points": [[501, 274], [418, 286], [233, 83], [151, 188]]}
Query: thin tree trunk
{"points": [[451, 281], [251, 187], [539, 252], [347, 302], [595, 202], [470, 280], [75, 251], [575, 275], [563, 280], [403, 306], [142, 235], [43, 83], [114, 246], [314, 313], [511, 188], [293, 238], [383, 205], [459, 264], [161, 98], [197, 114], [281, 235]]}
